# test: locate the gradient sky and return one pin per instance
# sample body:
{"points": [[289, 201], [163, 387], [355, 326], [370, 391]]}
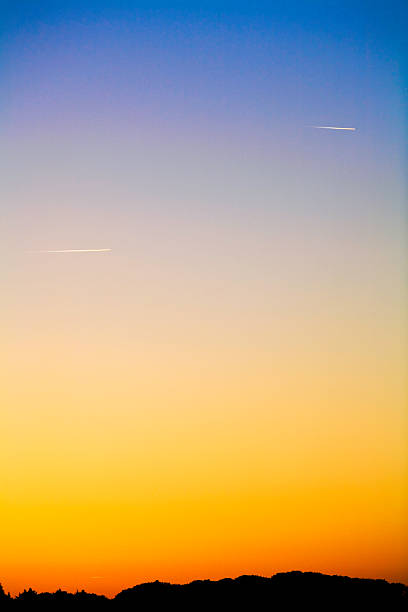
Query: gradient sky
{"points": [[225, 391]]}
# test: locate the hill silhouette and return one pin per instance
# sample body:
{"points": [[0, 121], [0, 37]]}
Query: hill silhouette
{"points": [[284, 591]]}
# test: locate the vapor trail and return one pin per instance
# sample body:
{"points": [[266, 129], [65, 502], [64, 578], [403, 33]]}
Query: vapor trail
{"points": [[74, 251], [333, 127]]}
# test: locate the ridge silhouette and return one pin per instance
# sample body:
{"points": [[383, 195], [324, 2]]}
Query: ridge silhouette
{"points": [[284, 591]]}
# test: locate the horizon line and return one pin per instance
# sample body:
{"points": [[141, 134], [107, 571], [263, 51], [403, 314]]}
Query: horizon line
{"points": [[268, 577]]}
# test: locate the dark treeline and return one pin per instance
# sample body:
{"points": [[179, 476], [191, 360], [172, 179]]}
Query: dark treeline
{"points": [[288, 591]]}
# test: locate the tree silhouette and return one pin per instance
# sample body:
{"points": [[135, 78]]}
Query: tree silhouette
{"points": [[285, 591]]}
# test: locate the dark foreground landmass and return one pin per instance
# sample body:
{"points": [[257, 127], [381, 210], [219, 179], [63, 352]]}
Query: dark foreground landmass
{"points": [[289, 591]]}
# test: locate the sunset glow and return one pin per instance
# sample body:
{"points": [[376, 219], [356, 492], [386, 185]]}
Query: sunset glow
{"points": [[225, 392]]}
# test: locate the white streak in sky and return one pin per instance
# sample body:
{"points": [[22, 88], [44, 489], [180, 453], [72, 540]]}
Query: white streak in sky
{"points": [[333, 127], [75, 251]]}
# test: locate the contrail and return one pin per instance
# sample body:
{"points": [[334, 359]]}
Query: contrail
{"points": [[74, 251], [333, 127]]}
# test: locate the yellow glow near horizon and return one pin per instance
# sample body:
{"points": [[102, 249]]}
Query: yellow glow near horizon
{"points": [[194, 446]]}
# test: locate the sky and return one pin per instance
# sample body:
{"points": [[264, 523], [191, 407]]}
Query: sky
{"points": [[204, 333]]}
